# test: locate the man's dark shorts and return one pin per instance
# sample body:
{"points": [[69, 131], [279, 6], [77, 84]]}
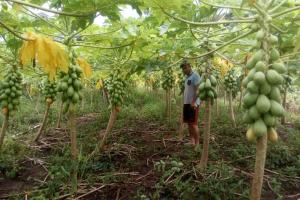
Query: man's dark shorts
{"points": [[190, 114]]}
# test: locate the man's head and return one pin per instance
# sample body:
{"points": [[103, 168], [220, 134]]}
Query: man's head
{"points": [[186, 67]]}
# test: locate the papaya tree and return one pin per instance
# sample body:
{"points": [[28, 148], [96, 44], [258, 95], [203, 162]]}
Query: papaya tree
{"points": [[217, 74], [262, 98], [11, 79], [50, 92], [56, 58], [116, 88], [168, 82], [152, 82], [10, 90], [207, 93], [70, 86], [180, 83], [231, 86]]}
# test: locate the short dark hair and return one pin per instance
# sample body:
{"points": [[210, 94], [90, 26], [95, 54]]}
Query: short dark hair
{"points": [[184, 63]]}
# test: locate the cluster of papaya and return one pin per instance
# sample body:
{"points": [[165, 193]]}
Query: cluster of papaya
{"points": [[10, 91], [71, 87], [263, 83], [216, 73], [207, 88], [115, 86], [231, 82], [168, 79], [50, 91]]}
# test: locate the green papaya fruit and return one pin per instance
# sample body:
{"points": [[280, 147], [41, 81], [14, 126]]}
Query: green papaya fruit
{"points": [[269, 120], [274, 78], [250, 99], [274, 55], [265, 88], [246, 118], [260, 35], [260, 66], [213, 80], [259, 128], [207, 83], [252, 87], [251, 74], [279, 67], [253, 113], [276, 109], [202, 86], [259, 78], [70, 91], [273, 39], [263, 104], [275, 94]]}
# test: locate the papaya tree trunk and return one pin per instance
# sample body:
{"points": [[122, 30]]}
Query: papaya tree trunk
{"points": [[3, 130], [174, 90], [28, 88], [204, 156], [74, 151], [261, 143], [105, 95], [180, 131], [225, 98], [261, 152], [40, 131], [217, 105], [111, 122], [169, 106], [82, 104], [241, 98], [283, 119], [166, 109], [37, 103], [92, 98], [231, 109], [58, 125]]}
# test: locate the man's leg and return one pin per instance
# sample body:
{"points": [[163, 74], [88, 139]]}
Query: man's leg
{"points": [[191, 131], [194, 134]]}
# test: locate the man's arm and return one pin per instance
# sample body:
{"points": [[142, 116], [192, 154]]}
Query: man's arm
{"points": [[197, 81], [196, 88]]}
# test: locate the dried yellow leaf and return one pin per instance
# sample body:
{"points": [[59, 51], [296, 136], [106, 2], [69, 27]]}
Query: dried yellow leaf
{"points": [[85, 66], [28, 49], [222, 65], [48, 53], [99, 84]]}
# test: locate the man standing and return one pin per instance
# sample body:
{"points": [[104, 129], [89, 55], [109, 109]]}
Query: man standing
{"points": [[191, 101]]}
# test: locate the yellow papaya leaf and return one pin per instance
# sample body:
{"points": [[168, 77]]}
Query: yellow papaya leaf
{"points": [[48, 53], [28, 49], [99, 85], [32, 90], [222, 65], [85, 66]]}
